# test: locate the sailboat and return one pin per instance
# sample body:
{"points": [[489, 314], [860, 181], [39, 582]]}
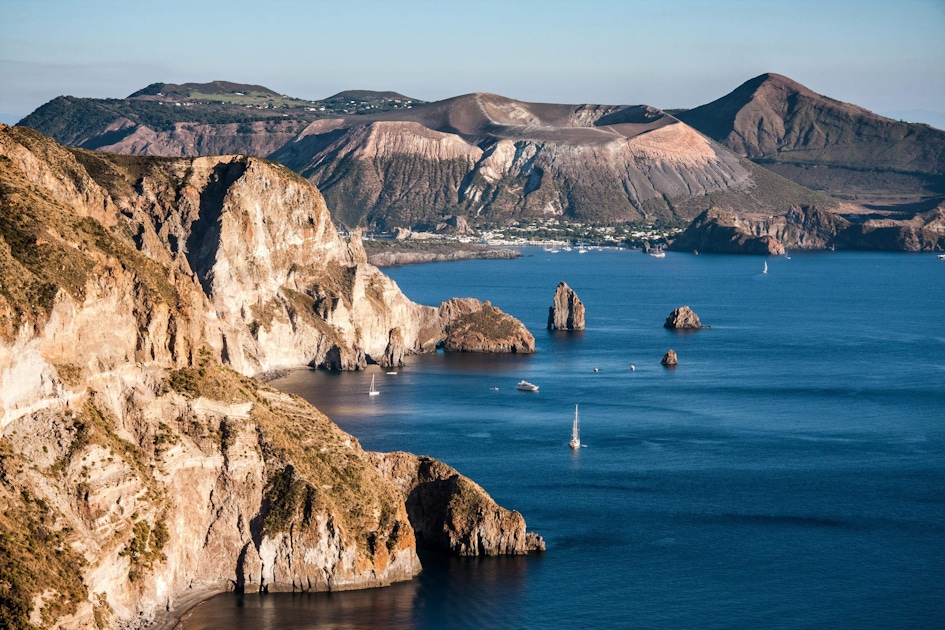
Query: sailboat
{"points": [[373, 391], [575, 431], [766, 267]]}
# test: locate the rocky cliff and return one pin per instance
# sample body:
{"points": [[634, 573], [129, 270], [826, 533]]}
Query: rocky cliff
{"points": [[138, 473], [567, 310], [810, 228], [450, 512]]}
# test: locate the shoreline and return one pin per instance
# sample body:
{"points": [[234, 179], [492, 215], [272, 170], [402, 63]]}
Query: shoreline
{"points": [[397, 254]]}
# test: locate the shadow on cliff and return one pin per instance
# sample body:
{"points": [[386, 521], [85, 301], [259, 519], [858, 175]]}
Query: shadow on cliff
{"points": [[204, 239]]}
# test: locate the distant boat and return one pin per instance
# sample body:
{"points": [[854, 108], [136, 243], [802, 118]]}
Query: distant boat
{"points": [[581, 250], [941, 256], [659, 253], [392, 373], [575, 431], [525, 386], [766, 267], [373, 391]]}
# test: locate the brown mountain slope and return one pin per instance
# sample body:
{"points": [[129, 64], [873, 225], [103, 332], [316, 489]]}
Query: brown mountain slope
{"points": [[824, 143], [389, 161], [494, 159]]}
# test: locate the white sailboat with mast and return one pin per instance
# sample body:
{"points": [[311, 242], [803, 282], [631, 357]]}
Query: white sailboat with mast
{"points": [[575, 431], [373, 391]]}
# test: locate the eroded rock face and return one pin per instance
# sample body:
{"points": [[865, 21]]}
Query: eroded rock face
{"points": [[152, 474], [726, 232], [809, 228], [670, 359], [683, 318], [567, 310], [450, 512]]}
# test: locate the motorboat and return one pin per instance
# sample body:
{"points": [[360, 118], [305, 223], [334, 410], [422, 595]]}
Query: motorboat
{"points": [[525, 386]]}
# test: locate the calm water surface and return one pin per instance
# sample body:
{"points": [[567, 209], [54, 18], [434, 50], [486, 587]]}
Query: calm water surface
{"points": [[789, 473]]}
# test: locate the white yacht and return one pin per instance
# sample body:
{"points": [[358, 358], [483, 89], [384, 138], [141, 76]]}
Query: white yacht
{"points": [[525, 386], [373, 391], [575, 431]]}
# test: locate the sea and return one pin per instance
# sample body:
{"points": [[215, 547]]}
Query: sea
{"points": [[788, 473]]}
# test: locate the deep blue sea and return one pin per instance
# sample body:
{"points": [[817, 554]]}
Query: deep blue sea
{"points": [[789, 473]]}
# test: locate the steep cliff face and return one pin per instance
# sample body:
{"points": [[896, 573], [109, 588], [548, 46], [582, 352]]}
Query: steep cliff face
{"points": [[449, 511], [167, 496], [138, 474], [567, 310], [809, 227]]}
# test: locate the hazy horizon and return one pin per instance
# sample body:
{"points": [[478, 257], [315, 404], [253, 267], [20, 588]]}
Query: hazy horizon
{"points": [[886, 57]]}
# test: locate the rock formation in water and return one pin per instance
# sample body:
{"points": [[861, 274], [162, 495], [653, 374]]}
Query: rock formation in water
{"points": [[139, 473], [566, 311], [683, 318], [451, 512], [474, 326], [670, 359]]}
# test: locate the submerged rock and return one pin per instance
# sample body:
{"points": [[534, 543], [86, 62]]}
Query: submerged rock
{"points": [[567, 311], [683, 318]]}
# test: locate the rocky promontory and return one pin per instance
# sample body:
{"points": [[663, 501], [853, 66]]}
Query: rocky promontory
{"points": [[811, 228], [566, 311], [397, 255], [683, 318], [450, 512], [141, 468]]}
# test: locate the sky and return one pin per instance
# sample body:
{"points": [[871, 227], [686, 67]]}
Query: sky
{"points": [[885, 55]]}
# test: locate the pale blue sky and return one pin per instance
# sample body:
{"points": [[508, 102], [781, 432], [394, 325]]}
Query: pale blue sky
{"points": [[887, 56]]}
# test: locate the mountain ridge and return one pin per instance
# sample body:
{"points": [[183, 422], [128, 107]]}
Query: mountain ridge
{"points": [[494, 160], [791, 129]]}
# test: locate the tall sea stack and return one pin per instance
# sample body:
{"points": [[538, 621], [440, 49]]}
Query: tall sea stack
{"points": [[567, 311]]}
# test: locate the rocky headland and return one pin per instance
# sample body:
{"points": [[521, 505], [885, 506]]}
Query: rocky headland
{"points": [[810, 228], [397, 255], [141, 467]]}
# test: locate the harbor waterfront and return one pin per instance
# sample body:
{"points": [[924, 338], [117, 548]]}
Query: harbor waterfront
{"points": [[790, 472]]}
